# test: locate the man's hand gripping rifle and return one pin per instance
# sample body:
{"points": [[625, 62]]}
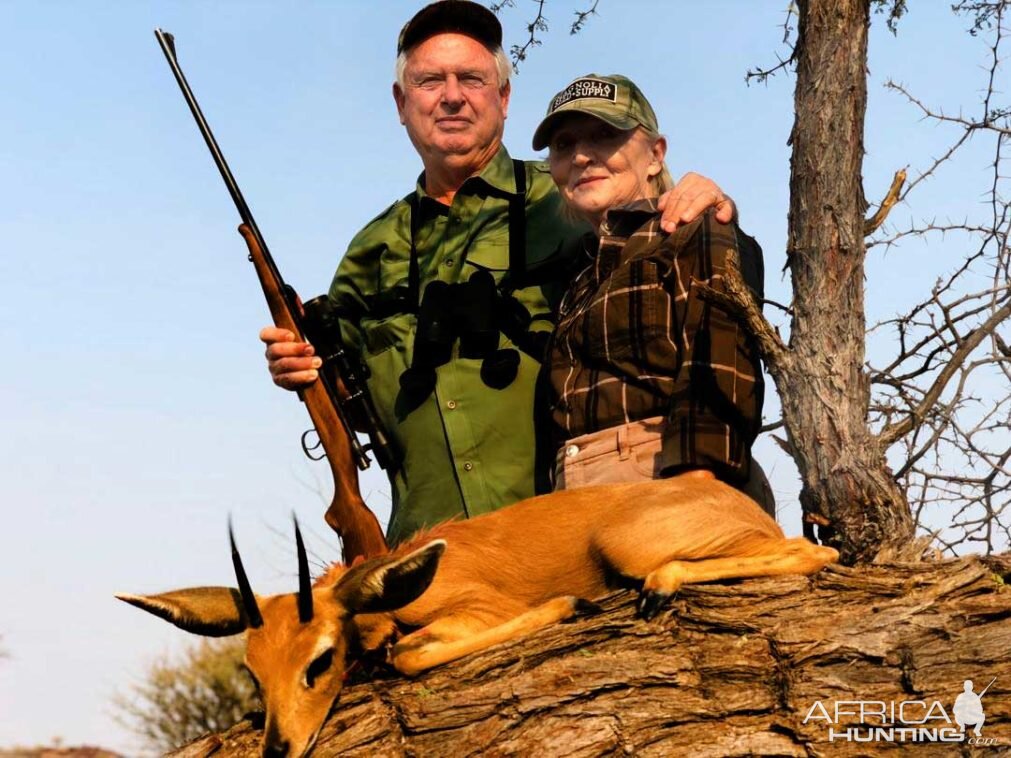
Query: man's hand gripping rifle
{"points": [[341, 392]]}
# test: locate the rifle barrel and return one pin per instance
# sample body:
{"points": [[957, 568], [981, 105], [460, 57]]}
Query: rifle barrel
{"points": [[168, 47]]}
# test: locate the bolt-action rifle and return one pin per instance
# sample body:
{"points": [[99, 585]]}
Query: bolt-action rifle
{"points": [[340, 393]]}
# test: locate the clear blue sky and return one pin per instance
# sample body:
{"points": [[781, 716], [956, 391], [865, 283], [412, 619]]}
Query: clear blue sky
{"points": [[135, 407]]}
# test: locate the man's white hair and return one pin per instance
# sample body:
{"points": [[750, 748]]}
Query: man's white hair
{"points": [[501, 63]]}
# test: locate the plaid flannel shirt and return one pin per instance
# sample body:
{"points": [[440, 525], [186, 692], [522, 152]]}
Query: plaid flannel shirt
{"points": [[635, 340]]}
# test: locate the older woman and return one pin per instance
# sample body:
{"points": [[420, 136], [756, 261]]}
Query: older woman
{"points": [[647, 379]]}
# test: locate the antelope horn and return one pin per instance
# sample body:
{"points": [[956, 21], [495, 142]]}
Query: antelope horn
{"points": [[304, 580], [249, 606]]}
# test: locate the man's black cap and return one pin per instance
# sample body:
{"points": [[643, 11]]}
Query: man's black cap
{"points": [[453, 17]]}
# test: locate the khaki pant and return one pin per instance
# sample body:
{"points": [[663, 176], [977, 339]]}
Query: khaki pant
{"points": [[631, 453]]}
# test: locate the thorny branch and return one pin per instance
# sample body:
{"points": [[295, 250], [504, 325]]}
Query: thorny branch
{"points": [[762, 75], [943, 401], [989, 122], [581, 17], [539, 25], [963, 346], [894, 8]]}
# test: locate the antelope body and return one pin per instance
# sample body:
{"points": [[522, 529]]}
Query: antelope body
{"points": [[466, 585]]}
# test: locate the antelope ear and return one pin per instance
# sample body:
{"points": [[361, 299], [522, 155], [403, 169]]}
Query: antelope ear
{"points": [[207, 611], [384, 584]]}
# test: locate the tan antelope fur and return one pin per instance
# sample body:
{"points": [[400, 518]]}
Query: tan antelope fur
{"points": [[467, 585]]}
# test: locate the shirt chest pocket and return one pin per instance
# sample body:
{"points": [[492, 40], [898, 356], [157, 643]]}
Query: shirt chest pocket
{"points": [[382, 334], [490, 253]]}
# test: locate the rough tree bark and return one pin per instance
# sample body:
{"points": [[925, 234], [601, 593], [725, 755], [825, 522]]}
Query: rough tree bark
{"points": [[846, 485], [822, 383], [730, 670]]}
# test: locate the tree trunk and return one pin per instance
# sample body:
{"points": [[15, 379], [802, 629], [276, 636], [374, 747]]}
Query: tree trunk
{"points": [[825, 391], [730, 670]]}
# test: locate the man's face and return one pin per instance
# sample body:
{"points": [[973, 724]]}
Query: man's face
{"points": [[451, 103]]}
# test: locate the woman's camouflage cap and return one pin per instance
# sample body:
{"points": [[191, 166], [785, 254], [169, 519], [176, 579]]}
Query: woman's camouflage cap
{"points": [[612, 98]]}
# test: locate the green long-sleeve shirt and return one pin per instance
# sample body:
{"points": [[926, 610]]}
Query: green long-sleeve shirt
{"points": [[468, 448]]}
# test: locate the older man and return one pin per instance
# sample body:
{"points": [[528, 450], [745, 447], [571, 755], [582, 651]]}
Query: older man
{"points": [[444, 293]]}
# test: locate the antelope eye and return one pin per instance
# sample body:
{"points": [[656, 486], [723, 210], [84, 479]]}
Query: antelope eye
{"points": [[318, 667]]}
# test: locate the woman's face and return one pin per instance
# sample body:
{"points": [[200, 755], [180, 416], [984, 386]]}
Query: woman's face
{"points": [[596, 166]]}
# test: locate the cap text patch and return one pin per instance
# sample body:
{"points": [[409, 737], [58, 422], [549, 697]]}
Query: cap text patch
{"points": [[582, 89]]}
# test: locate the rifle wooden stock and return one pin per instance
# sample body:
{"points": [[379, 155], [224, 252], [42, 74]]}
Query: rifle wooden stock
{"points": [[348, 514]]}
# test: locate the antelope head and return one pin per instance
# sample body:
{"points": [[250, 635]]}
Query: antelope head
{"points": [[298, 645]]}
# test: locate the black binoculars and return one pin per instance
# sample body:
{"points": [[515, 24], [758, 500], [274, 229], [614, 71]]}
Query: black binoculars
{"points": [[469, 312]]}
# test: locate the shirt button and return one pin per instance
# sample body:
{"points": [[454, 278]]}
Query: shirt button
{"points": [[468, 466], [451, 404], [448, 262], [571, 451]]}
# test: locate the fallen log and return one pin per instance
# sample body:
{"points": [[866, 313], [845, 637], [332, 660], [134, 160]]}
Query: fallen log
{"points": [[730, 669]]}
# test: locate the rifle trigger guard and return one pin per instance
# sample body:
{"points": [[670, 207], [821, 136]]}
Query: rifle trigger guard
{"points": [[308, 449]]}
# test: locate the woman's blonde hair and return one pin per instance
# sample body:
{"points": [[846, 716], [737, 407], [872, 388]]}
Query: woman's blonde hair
{"points": [[662, 181]]}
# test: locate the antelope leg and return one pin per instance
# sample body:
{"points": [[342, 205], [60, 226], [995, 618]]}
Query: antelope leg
{"points": [[454, 637]]}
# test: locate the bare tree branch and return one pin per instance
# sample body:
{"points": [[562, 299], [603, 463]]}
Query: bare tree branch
{"points": [[966, 346], [581, 18], [762, 75], [539, 25], [892, 197]]}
